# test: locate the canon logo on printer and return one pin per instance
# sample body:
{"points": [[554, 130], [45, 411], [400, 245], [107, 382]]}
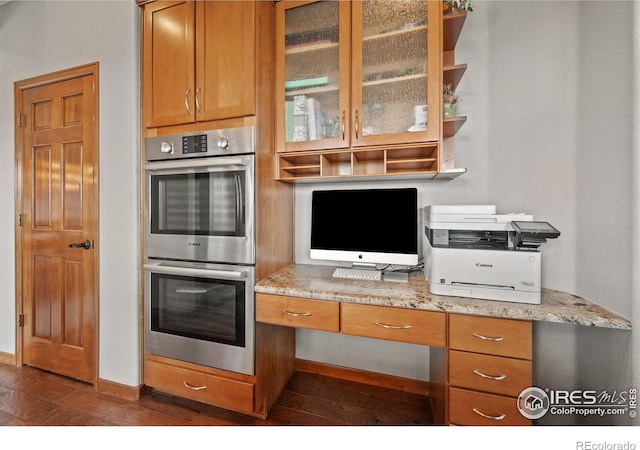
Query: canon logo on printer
{"points": [[483, 265]]}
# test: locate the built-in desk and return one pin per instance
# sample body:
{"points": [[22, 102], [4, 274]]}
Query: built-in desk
{"points": [[481, 350]]}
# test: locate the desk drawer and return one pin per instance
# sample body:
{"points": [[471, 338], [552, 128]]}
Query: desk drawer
{"points": [[504, 337], [211, 389], [298, 312], [394, 324], [495, 374], [473, 408]]}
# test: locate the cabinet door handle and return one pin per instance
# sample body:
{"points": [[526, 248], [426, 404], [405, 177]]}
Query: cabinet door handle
{"points": [[486, 416], [490, 377], [487, 338], [186, 101], [296, 314], [197, 102], [392, 327], [343, 124], [193, 388], [356, 124]]}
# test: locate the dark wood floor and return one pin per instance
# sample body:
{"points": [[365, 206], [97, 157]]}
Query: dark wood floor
{"points": [[30, 396]]}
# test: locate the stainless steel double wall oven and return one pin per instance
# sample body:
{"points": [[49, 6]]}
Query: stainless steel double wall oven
{"points": [[200, 248]]}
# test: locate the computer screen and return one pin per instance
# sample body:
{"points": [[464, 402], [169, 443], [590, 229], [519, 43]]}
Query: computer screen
{"points": [[378, 226]]}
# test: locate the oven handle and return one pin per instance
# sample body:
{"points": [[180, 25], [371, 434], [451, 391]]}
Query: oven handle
{"points": [[209, 273], [239, 200], [210, 163]]}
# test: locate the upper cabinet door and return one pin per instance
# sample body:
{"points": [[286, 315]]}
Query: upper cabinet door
{"points": [[396, 71], [361, 73], [225, 59], [168, 63], [312, 75]]}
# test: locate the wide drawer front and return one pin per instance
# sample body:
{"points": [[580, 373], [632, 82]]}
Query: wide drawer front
{"points": [[298, 312], [495, 374], [230, 394], [394, 324], [504, 337], [474, 408]]}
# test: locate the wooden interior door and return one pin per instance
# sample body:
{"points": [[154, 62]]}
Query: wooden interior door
{"points": [[58, 217]]}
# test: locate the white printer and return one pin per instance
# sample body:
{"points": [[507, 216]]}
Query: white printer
{"points": [[470, 251]]}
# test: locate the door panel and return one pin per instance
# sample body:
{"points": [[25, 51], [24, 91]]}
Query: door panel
{"points": [[225, 59], [58, 209], [168, 63]]}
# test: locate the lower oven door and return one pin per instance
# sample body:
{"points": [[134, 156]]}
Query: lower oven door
{"points": [[201, 313]]}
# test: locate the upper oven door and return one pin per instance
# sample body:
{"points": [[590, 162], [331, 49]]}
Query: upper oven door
{"points": [[201, 209]]}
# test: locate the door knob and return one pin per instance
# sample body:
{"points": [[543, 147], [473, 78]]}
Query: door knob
{"points": [[85, 245]]}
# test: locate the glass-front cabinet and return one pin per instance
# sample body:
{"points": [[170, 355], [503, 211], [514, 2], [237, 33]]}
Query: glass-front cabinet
{"points": [[357, 74]]}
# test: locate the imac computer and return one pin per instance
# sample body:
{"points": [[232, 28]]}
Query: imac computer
{"points": [[365, 227]]}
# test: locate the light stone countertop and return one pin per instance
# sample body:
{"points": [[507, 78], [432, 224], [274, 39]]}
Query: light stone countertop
{"points": [[316, 282]]}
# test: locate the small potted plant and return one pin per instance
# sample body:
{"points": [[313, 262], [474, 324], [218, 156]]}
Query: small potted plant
{"points": [[450, 101], [456, 6]]}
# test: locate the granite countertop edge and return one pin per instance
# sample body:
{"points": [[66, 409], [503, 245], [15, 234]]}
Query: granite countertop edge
{"points": [[315, 282]]}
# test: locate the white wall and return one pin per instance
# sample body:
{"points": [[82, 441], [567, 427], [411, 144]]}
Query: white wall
{"points": [[549, 132], [38, 37]]}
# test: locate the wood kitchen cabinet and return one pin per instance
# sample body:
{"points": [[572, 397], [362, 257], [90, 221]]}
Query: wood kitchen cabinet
{"points": [[209, 65], [358, 75], [489, 361], [198, 61], [478, 365]]}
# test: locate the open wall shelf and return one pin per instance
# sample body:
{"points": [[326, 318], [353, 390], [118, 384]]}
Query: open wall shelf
{"points": [[416, 161]]}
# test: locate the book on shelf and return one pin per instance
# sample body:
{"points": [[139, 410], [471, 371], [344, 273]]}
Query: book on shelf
{"points": [[304, 119], [308, 44], [288, 115], [311, 119], [306, 83], [300, 129]]}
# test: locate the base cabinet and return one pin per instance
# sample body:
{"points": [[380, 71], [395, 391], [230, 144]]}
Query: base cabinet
{"points": [[197, 384], [489, 364], [478, 365], [477, 408]]}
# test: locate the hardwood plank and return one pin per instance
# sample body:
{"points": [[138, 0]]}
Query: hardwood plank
{"points": [[26, 406], [117, 411], [349, 391], [281, 415], [30, 396], [352, 402]]}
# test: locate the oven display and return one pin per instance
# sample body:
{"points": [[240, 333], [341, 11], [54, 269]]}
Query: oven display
{"points": [[194, 144]]}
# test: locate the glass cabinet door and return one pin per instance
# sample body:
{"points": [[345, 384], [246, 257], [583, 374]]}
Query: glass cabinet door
{"points": [[395, 94], [357, 73], [313, 82]]}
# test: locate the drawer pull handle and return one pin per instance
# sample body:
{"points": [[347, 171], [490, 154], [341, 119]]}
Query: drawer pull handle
{"points": [[296, 314], [487, 338], [393, 327], [490, 377], [193, 388], [486, 416]]}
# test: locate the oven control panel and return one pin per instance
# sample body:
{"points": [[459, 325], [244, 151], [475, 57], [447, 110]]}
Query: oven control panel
{"points": [[194, 144], [228, 141]]}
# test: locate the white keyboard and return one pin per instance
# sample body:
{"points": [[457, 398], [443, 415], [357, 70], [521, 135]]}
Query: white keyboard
{"points": [[357, 274]]}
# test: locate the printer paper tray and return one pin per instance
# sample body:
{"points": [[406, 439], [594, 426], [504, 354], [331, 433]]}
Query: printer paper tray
{"points": [[461, 284], [487, 293]]}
